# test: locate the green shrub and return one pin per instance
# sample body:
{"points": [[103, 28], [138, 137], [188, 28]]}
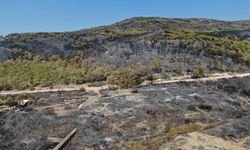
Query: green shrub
{"points": [[216, 51], [156, 65], [82, 89], [27, 96], [177, 67], [198, 72], [150, 78], [205, 106], [5, 86], [10, 101], [217, 66], [125, 78]]}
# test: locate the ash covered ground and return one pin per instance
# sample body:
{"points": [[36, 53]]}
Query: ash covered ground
{"points": [[119, 119]]}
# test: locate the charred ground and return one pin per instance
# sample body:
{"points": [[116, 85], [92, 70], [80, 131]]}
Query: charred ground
{"points": [[138, 40], [131, 120], [125, 54]]}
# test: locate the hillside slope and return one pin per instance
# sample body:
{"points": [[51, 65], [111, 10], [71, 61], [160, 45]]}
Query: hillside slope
{"points": [[138, 40]]}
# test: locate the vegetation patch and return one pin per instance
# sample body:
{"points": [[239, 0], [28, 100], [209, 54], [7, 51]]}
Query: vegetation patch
{"points": [[184, 129], [152, 144], [25, 74], [82, 89], [9, 101], [27, 96], [205, 106], [125, 78], [198, 72], [28, 72], [14, 101], [239, 50]]}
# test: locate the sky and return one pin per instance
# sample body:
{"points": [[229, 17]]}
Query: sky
{"points": [[17, 16]]}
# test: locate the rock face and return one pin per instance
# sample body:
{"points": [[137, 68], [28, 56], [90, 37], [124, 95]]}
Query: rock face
{"points": [[137, 120]]}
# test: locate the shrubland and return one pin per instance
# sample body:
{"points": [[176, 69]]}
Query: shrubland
{"points": [[28, 72], [23, 74]]}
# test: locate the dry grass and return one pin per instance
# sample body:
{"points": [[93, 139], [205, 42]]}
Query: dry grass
{"points": [[152, 144], [184, 129]]}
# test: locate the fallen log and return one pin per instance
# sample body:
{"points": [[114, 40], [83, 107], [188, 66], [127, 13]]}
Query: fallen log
{"points": [[54, 139], [65, 140]]}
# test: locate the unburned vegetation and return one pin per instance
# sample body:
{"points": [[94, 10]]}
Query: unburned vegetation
{"points": [[16, 99], [30, 71]]}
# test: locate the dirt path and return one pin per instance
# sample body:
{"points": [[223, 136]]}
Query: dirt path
{"points": [[209, 77], [55, 89]]}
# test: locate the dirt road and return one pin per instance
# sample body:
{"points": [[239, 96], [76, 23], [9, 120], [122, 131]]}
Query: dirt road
{"points": [[209, 77]]}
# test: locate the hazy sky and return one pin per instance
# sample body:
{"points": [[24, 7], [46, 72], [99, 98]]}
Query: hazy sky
{"points": [[68, 15]]}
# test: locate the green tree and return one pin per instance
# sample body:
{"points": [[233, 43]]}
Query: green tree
{"points": [[125, 78]]}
